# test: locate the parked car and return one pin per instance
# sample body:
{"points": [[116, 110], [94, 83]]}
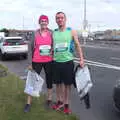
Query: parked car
{"points": [[116, 96], [13, 46], [1, 40]]}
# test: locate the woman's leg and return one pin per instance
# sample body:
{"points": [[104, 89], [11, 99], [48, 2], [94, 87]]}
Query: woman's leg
{"points": [[37, 67], [29, 99], [48, 76], [28, 104]]}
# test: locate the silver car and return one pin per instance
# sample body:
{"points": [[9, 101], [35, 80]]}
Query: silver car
{"points": [[13, 46]]}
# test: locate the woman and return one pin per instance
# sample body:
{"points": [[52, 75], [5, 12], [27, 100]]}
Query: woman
{"points": [[42, 56]]}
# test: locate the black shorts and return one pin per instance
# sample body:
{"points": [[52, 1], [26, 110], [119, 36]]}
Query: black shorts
{"points": [[48, 71], [64, 72]]}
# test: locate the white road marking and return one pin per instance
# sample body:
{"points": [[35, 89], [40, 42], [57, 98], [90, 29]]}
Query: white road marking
{"points": [[99, 64], [91, 64], [115, 58], [102, 47]]}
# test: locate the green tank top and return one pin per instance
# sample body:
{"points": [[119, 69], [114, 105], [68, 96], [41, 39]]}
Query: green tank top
{"points": [[61, 43]]}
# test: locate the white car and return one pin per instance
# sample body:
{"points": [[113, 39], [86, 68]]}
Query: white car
{"points": [[13, 46]]}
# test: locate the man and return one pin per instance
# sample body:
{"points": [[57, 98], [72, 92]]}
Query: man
{"points": [[63, 62], [42, 56]]}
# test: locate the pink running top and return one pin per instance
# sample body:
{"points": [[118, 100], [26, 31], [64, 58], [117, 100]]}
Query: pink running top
{"points": [[42, 48]]}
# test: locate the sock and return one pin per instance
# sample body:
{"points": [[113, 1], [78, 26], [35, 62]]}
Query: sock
{"points": [[66, 105], [28, 104], [59, 102], [49, 101]]}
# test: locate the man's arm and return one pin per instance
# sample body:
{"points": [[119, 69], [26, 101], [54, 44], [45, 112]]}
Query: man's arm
{"points": [[78, 47]]}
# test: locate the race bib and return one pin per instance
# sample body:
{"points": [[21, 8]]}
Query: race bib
{"points": [[44, 49], [61, 47]]}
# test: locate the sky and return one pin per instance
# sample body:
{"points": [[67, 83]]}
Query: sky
{"points": [[24, 14]]}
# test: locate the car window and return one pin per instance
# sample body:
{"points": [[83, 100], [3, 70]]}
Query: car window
{"points": [[14, 40], [1, 40]]}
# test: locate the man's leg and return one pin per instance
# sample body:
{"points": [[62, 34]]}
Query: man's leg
{"points": [[59, 86], [67, 93], [59, 97], [59, 92], [68, 77]]}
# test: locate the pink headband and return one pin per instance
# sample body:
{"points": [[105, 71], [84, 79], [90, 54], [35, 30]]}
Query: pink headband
{"points": [[43, 17]]}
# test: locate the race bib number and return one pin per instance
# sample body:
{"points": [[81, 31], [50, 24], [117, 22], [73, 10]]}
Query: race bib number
{"points": [[61, 47], [44, 49]]}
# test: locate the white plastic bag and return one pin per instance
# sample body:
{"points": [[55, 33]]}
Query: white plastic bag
{"points": [[34, 84], [83, 80]]}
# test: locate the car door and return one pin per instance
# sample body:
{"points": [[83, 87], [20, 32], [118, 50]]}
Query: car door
{"points": [[1, 41]]}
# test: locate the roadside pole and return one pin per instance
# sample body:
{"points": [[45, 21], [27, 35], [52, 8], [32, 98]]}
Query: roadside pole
{"points": [[85, 23], [85, 35]]}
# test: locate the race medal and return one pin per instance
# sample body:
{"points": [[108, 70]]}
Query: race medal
{"points": [[61, 47], [44, 49]]}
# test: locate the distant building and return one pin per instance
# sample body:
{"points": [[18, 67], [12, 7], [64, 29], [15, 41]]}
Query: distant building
{"points": [[26, 34], [107, 35], [99, 35], [112, 34]]}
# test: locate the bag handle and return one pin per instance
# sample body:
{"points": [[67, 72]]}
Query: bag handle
{"points": [[74, 82], [78, 66]]}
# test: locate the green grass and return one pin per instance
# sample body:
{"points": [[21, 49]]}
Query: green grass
{"points": [[3, 67], [12, 101]]}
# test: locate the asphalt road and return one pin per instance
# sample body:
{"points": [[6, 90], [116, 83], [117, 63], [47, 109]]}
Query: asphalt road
{"points": [[103, 76]]}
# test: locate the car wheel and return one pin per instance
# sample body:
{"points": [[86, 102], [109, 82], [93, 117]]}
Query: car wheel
{"points": [[2, 57], [116, 98], [116, 107], [25, 56]]}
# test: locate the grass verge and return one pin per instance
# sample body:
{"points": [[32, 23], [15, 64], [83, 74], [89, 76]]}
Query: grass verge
{"points": [[12, 100]]}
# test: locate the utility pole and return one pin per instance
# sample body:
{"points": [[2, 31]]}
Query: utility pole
{"points": [[85, 23], [23, 22]]}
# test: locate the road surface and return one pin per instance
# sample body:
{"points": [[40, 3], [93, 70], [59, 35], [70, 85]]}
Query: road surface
{"points": [[105, 70]]}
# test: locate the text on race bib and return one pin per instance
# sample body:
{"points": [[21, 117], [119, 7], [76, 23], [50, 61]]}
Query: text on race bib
{"points": [[61, 47], [44, 49]]}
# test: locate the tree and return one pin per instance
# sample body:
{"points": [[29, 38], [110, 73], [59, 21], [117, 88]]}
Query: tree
{"points": [[6, 31]]}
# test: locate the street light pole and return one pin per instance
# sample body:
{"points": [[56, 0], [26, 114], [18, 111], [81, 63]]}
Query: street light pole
{"points": [[84, 26], [23, 22], [85, 21]]}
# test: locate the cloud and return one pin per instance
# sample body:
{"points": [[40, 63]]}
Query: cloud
{"points": [[25, 13]]}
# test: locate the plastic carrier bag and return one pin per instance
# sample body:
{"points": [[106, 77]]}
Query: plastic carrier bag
{"points": [[34, 84], [83, 80]]}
